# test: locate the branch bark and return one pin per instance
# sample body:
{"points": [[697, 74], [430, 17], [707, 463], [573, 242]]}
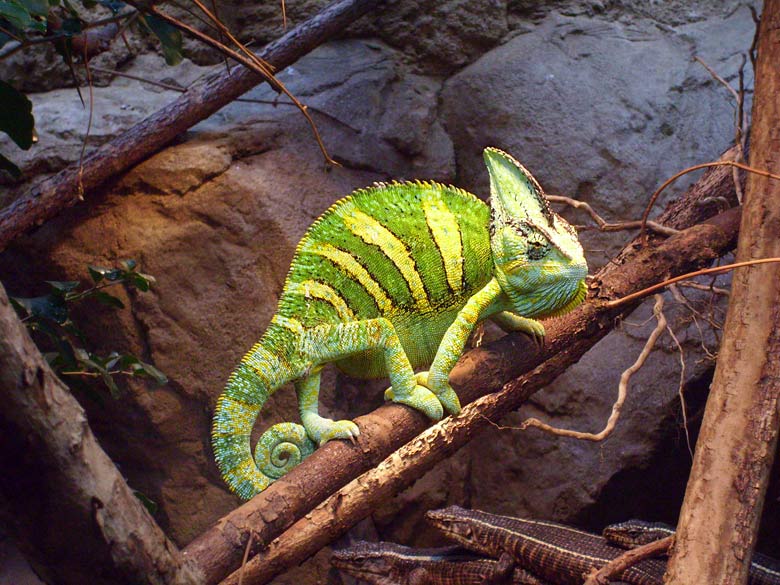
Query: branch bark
{"points": [[220, 549], [722, 507], [568, 340], [61, 497], [68, 187]]}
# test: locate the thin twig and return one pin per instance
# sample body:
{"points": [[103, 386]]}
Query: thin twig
{"points": [[682, 299], [708, 287], [739, 120], [604, 225], [614, 568], [681, 387], [625, 378], [253, 63], [89, 122], [246, 556], [672, 179], [660, 285]]}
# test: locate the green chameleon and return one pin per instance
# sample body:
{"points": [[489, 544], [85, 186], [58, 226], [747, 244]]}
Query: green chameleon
{"points": [[389, 279]]}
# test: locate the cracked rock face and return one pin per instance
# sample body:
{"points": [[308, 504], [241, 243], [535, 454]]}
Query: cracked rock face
{"points": [[600, 101]]}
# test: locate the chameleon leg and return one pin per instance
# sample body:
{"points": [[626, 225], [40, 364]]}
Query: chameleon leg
{"points": [[451, 347], [320, 429], [328, 343], [509, 321]]}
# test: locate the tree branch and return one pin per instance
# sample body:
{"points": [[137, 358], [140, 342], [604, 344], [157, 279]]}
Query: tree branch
{"points": [[219, 550], [61, 496], [145, 138], [737, 442]]}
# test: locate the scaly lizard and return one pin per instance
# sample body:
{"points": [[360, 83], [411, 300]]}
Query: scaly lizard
{"points": [[389, 279], [561, 554], [764, 570], [386, 563]]}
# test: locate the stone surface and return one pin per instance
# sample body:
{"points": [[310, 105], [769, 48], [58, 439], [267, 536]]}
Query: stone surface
{"points": [[599, 99], [597, 109]]}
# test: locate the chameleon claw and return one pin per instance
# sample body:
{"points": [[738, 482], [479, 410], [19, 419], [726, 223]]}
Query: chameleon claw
{"points": [[420, 398], [321, 430]]}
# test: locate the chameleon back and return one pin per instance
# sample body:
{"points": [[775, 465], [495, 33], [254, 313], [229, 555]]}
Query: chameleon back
{"points": [[411, 252]]}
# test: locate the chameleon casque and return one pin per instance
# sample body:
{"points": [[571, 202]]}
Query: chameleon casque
{"points": [[390, 279]]}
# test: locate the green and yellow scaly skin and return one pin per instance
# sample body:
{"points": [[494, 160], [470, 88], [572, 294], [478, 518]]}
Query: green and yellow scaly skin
{"points": [[390, 279]]}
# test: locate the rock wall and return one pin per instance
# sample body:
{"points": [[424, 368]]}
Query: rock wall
{"points": [[601, 100]]}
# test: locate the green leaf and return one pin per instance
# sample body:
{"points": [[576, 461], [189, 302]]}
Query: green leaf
{"points": [[128, 265], [139, 281], [49, 307], [108, 300], [16, 117], [149, 504], [144, 369], [95, 273], [36, 7], [108, 380], [15, 14], [64, 285], [170, 38], [9, 167], [98, 273]]}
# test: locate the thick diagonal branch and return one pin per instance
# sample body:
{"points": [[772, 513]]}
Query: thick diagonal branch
{"points": [[145, 138], [61, 496]]}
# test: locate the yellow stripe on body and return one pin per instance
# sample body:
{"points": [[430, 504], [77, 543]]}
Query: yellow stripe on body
{"points": [[320, 290], [446, 233], [292, 325], [347, 262], [372, 232]]}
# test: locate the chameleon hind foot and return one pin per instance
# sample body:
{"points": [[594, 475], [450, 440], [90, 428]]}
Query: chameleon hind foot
{"points": [[321, 429], [420, 398], [443, 391]]}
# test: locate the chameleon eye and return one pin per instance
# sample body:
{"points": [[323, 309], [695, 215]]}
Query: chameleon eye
{"points": [[537, 249]]}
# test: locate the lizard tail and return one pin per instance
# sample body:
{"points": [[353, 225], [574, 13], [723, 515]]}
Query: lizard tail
{"points": [[279, 449]]}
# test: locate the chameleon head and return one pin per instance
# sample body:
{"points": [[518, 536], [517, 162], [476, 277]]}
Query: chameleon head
{"points": [[538, 259]]}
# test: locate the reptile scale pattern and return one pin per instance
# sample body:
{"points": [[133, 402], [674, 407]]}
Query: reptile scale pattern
{"points": [[391, 279]]}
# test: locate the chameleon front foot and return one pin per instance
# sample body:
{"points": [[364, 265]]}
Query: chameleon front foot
{"points": [[321, 429], [443, 391], [420, 398]]}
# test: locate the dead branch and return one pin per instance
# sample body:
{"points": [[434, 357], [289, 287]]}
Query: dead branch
{"points": [[614, 568], [605, 226], [219, 550], [719, 163], [145, 138], [736, 446], [61, 497], [625, 378]]}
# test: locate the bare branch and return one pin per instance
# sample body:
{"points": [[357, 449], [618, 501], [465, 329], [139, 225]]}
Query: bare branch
{"points": [[614, 568], [625, 378]]}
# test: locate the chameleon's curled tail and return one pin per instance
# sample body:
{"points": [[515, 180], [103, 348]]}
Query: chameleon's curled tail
{"points": [[280, 448]]}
